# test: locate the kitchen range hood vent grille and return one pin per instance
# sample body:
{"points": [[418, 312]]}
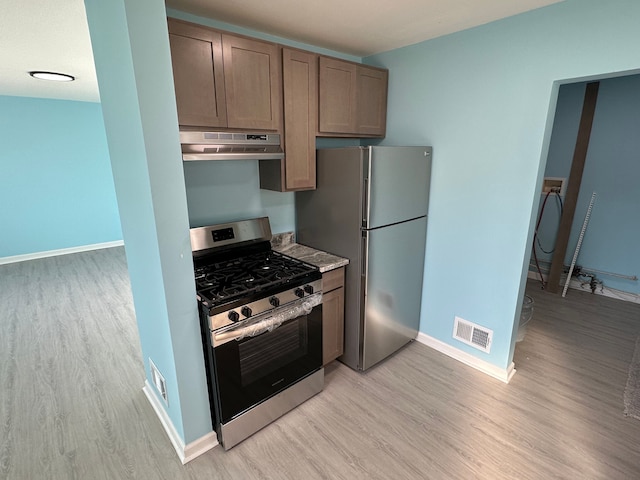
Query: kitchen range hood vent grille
{"points": [[472, 334], [199, 145]]}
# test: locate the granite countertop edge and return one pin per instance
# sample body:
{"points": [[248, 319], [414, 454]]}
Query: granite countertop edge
{"points": [[284, 243]]}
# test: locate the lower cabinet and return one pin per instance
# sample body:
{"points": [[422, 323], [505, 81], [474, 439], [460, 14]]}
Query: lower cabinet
{"points": [[332, 315]]}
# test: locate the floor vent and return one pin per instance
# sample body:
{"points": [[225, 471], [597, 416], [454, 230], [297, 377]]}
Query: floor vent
{"points": [[472, 334]]}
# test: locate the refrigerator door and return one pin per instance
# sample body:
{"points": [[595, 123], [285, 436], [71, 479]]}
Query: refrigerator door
{"points": [[398, 184], [392, 281]]}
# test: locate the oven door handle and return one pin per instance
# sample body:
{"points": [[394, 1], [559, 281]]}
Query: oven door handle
{"points": [[266, 322]]}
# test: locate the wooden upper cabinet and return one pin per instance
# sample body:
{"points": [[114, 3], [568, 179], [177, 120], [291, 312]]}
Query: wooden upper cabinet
{"points": [[224, 80], [371, 101], [196, 55], [252, 83], [300, 89], [353, 99], [337, 100]]}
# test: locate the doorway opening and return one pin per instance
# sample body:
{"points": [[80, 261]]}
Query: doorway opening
{"points": [[606, 262]]}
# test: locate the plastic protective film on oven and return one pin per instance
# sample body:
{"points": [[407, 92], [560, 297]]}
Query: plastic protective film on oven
{"points": [[266, 322]]}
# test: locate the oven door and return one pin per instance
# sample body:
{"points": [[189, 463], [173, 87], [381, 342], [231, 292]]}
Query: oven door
{"points": [[256, 359]]}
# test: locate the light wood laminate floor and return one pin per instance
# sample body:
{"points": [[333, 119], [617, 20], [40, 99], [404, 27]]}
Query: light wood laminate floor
{"points": [[72, 407]]}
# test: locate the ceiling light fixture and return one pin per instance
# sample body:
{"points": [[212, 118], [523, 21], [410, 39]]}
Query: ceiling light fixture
{"points": [[56, 77]]}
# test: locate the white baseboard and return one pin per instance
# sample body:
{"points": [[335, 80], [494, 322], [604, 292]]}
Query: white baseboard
{"points": [[504, 375], [188, 452], [199, 446], [577, 285], [62, 251], [535, 275]]}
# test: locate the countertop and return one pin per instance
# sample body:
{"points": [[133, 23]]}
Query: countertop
{"points": [[284, 243]]}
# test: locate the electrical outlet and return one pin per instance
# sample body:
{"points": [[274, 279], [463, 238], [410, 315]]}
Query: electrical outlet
{"points": [[554, 185], [158, 381]]}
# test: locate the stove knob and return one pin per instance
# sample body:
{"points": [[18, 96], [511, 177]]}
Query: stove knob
{"points": [[246, 311], [233, 316], [274, 301], [298, 292], [308, 289]]}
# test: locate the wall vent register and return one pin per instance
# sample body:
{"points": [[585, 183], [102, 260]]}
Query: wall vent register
{"points": [[159, 381], [472, 334]]}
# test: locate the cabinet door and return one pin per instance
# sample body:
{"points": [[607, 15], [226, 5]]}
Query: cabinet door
{"points": [[252, 83], [332, 314], [332, 325], [196, 55], [300, 87], [371, 101], [337, 102]]}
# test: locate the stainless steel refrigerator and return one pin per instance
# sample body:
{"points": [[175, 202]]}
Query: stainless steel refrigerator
{"points": [[370, 206]]}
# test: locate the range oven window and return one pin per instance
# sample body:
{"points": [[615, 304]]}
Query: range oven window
{"points": [[255, 368], [262, 355]]}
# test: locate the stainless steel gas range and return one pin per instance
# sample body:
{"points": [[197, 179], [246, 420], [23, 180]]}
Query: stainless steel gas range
{"points": [[261, 321]]}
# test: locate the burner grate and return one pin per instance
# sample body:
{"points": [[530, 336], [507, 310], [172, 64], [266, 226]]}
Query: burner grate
{"points": [[223, 281]]}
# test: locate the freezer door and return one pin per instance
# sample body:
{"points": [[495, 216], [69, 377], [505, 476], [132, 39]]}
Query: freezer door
{"points": [[392, 288], [398, 184]]}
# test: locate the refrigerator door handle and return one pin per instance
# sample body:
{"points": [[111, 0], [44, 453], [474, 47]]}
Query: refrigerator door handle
{"points": [[364, 267], [365, 202], [365, 257]]}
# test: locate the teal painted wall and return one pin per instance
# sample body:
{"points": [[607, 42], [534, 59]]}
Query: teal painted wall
{"points": [[484, 98], [56, 186], [225, 191], [131, 50], [612, 170]]}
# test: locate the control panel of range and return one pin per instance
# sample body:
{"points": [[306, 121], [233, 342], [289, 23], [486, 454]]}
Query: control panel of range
{"points": [[264, 304]]}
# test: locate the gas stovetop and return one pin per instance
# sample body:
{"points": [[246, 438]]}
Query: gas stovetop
{"points": [[257, 274], [238, 276]]}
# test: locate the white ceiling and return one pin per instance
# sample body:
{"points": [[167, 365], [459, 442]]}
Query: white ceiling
{"points": [[47, 35], [53, 35]]}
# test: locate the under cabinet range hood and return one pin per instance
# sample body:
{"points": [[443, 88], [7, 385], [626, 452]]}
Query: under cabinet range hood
{"points": [[200, 145]]}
